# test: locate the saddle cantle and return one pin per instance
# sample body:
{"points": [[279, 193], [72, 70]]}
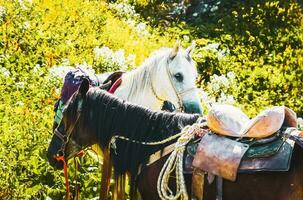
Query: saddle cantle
{"points": [[231, 121]]}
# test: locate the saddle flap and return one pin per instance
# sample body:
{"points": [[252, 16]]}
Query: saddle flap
{"points": [[266, 123], [219, 155]]}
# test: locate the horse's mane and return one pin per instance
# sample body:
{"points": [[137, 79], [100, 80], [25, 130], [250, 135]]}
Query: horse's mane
{"points": [[141, 77], [106, 116]]}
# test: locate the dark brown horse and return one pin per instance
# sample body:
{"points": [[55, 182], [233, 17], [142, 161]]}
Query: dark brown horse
{"points": [[99, 116], [93, 116], [256, 186]]}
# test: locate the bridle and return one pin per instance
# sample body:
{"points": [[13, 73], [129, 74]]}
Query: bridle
{"points": [[65, 137], [60, 156], [179, 94]]}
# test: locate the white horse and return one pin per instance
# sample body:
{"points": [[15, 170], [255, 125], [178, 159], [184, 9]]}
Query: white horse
{"points": [[168, 75]]}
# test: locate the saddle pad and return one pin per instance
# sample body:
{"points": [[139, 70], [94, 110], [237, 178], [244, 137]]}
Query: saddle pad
{"points": [[219, 155], [277, 162], [264, 150]]}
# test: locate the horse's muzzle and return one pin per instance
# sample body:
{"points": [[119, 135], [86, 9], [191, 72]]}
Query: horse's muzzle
{"points": [[52, 152], [192, 107]]}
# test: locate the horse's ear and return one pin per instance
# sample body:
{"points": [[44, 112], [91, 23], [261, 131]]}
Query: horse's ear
{"points": [[175, 50], [191, 48], [84, 87]]}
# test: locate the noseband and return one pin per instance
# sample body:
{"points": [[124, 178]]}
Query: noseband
{"points": [[65, 137], [179, 94]]}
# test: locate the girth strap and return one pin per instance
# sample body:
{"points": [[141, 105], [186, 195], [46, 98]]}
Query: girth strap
{"points": [[197, 186], [219, 182]]}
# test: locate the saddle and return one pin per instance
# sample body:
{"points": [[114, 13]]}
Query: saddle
{"points": [[236, 144], [231, 121]]}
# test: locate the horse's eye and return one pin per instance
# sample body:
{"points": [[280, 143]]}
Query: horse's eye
{"points": [[179, 77]]}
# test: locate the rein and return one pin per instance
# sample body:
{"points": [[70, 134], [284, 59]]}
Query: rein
{"points": [[60, 156]]}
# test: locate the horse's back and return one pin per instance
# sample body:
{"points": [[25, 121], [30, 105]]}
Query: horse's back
{"points": [[256, 186]]}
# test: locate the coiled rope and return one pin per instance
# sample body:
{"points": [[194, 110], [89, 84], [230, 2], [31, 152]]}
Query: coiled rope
{"points": [[173, 163]]}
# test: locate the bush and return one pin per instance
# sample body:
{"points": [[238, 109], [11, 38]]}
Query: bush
{"points": [[37, 37], [248, 53]]}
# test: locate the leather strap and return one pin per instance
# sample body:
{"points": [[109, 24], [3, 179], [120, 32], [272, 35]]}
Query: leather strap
{"points": [[197, 187], [61, 158], [116, 84], [219, 181]]}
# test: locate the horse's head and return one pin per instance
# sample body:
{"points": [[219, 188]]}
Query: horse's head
{"points": [[66, 141], [175, 79]]}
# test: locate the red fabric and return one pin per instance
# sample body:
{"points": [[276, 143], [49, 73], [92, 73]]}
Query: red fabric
{"points": [[116, 84], [61, 158]]}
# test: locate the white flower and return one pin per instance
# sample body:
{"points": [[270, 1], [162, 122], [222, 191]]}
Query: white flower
{"points": [[131, 22], [119, 57], [141, 28], [37, 68], [2, 13], [104, 52], [215, 87], [131, 58], [87, 68], [22, 4], [186, 38], [195, 14], [123, 9], [48, 198], [300, 123], [26, 25], [214, 8], [19, 103], [5, 72], [212, 46], [223, 80], [230, 99], [20, 84], [231, 75], [60, 71]]}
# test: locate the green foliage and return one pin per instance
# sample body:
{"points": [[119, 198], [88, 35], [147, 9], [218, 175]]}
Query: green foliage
{"points": [[258, 42], [34, 37], [264, 42]]}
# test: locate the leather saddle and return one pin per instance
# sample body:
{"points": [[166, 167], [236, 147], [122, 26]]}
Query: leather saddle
{"points": [[236, 142], [231, 121]]}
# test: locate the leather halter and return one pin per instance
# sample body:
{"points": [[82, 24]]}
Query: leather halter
{"points": [[179, 94], [65, 137]]}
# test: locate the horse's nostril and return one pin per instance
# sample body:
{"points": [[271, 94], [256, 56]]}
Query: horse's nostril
{"points": [[59, 154]]}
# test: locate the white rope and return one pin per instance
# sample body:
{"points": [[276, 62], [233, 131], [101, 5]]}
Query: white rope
{"points": [[112, 143], [175, 163]]}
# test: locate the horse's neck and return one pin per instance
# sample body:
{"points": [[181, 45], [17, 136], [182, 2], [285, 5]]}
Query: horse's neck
{"points": [[138, 89]]}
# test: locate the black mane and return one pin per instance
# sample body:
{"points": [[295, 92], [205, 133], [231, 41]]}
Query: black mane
{"points": [[106, 116]]}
